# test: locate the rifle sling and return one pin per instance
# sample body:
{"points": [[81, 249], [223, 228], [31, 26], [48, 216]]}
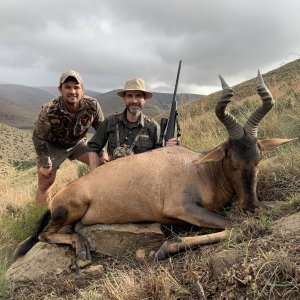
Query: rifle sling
{"points": [[118, 133]]}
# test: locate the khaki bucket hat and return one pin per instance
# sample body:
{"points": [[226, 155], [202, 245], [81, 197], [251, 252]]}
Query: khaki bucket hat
{"points": [[70, 73], [136, 84]]}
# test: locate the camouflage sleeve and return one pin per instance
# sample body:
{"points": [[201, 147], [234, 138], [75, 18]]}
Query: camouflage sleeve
{"points": [[42, 132], [99, 117], [99, 140]]}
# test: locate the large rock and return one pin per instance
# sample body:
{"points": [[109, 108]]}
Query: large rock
{"points": [[287, 226], [43, 259], [121, 239], [222, 261], [137, 240]]}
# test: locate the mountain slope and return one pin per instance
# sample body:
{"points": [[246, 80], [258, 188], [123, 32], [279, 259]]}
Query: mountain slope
{"points": [[21, 104], [279, 78], [24, 96]]}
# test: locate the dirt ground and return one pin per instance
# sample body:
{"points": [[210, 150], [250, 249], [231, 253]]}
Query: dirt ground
{"points": [[264, 265]]}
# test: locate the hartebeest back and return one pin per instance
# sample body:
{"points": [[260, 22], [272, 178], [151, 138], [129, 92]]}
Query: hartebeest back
{"points": [[166, 185]]}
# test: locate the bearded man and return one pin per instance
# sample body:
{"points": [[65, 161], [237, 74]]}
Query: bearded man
{"points": [[129, 132]]}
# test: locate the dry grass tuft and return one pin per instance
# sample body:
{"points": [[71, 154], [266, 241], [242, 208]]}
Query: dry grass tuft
{"points": [[144, 284], [279, 176], [278, 275]]}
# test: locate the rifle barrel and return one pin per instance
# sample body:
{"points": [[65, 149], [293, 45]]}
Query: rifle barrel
{"points": [[177, 79], [173, 111]]}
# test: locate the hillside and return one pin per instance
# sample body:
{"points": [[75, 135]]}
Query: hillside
{"points": [[16, 149], [16, 144], [15, 115], [21, 104], [280, 78]]}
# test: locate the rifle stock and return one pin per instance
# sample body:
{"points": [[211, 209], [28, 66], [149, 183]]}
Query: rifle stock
{"points": [[173, 112], [163, 126]]}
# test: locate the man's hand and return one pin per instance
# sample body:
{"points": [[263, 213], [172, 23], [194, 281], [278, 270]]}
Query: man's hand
{"points": [[98, 160], [103, 158], [173, 141], [46, 172]]}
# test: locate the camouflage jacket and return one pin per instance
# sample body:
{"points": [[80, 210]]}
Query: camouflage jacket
{"points": [[106, 133], [55, 125]]}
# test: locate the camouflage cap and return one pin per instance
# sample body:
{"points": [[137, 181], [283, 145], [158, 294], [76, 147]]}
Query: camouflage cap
{"points": [[70, 73]]}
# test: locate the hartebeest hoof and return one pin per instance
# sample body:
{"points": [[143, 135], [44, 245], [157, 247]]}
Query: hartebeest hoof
{"points": [[84, 255], [163, 252], [83, 263], [82, 247]]}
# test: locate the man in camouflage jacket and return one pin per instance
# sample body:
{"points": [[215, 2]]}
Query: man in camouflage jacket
{"points": [[60, 131]]}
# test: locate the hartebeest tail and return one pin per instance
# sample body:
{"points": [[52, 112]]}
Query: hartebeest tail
{"points": [[34, 238]]}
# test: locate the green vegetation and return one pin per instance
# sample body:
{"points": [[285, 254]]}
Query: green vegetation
{"points": [[269, 267], [82, 170], [23, 165], [15, 226]]}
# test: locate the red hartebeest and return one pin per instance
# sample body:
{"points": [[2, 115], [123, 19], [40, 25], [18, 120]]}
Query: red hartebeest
{"points": [[166, 185]]}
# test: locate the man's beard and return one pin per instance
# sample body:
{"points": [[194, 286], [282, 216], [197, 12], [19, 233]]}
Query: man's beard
{"points": [[135, 110], [74, 101]]}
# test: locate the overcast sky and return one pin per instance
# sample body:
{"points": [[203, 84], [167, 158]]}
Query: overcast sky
{"points": [[111, 41]]}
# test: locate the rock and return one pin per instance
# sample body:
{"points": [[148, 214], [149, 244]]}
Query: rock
{"points": [[43, 259], [118, 240], [141, 254], [287, 226], [80, 263], [113, 240], [94, 270], [224, 260]]}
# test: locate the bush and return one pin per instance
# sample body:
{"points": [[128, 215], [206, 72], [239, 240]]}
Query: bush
{"points": [[23, 165], [82, 170]]}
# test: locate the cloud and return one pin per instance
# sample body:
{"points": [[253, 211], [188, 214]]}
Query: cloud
{"points": [[112, 41]]}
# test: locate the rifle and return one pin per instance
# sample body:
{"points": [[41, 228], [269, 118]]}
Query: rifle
{"points": [[173, 119]]}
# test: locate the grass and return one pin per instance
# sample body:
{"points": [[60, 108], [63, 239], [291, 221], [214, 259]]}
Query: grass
{"points": [[269, 268], [18, 212], [276, 275], [137, 284]]}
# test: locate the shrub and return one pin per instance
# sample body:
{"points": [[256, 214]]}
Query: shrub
{"points": [[82, 170]]}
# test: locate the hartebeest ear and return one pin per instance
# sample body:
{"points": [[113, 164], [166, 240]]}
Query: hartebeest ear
{"points": [[270, 144], [213, 155]]}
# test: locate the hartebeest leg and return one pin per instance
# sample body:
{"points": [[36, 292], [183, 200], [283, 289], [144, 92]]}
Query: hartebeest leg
{"points": [[60, 217], [199, 216], [188, 243], [75, 239], [194, 214]]}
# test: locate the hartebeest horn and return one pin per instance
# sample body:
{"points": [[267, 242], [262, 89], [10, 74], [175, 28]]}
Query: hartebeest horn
{"points": [[234, 129], [268, 102]]}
